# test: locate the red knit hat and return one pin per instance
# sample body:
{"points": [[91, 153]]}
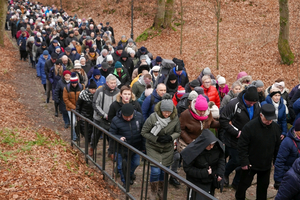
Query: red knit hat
{"points": [[66, 72], [180, 91], [201, 103]]}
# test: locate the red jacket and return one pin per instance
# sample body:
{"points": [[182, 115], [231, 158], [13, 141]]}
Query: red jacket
{"points": [[20, 32], [212, 94]]}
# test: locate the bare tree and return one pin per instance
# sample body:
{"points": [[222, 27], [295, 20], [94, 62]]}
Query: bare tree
{"points": [[217, 6], [287, 56], [3, 9], [160, 15], [169, 10]]}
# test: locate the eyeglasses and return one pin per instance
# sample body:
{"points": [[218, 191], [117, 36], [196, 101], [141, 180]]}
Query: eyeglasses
{"points": [[155, 71], [207, 82]]}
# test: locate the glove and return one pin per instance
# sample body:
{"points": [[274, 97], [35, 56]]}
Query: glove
{"points": [[276, 185], [164, 139]]}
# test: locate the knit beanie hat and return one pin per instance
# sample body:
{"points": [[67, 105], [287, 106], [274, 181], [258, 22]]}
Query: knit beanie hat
{"points": [[166, 103], [251, 94], [109, 58], [92, 84], [118, 65], [77, 66], [193, 95], [156, 68], [158, 59], [127, 109], [194, 83], [96, 72], [258, 83], [201, 103], [180, 91], [199, 90], [172, 76], [74, 78], [207, 71], [45, 52], [221, 80], [66, 72], [297, 125], [130, 40]]}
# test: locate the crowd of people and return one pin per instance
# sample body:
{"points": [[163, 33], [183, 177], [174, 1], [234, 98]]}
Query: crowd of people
{"points": [[204, 125]]}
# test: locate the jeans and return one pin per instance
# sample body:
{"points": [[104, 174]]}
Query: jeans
{"points": [[74, 122], [233, 164], [263, 180], [66, 117], [157, 174], [135, 162]]}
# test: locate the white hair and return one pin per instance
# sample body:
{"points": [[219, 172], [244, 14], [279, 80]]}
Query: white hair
{"points": [[111, 77]]}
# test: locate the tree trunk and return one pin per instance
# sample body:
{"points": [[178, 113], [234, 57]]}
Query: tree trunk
{"points": [[169, 13], [160, 15], [218, 10], [286, 54], [3, 9]]}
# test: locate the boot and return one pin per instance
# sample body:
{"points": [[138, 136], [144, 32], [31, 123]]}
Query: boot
{"points": [[173, 181], [91, 152], [160, 190], [47, 100], [153, 192], [56, 109]]}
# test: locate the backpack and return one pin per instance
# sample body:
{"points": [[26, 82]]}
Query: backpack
{"points": [[178, 62], [166, 68]]}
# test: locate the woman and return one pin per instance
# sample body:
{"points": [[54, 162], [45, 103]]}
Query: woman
{"points": [[40, 67], [58, 96], [244, 79], [194, 120], [125, 96], [276, 100], [210, 90], [84, 106], [83, 78], [55, 74], [235, 90], [22, 46], [172, 84], [260, 89], [160, 130], [204, 163], [289, 151]]}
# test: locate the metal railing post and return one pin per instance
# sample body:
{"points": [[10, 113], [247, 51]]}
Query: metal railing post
{"points": [[72, 118], [86, 141], [165, 187], [104, 152]]}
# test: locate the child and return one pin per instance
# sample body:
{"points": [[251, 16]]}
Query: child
{"points": [[223, 87]]}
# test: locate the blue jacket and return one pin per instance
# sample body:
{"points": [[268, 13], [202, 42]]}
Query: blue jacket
{"points": [[290, 185], [281, 121], [75, 56], [54, 78], [183, 78], [100, 82], [296, 107], [41, 66], [147, 108], [22, 41], [130, 130], [286, 156]]}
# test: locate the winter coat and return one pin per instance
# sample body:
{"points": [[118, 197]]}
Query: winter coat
{"points": [[227, 98], [161, 152], [69, 39], [37, 51], [289, 151], [58, 94], [293, 91], [51, 48], [124, 79], [139, 53], [117, 105], [182, 104], [99, 82], [296, 107], [196, 159], [22, 43], [48, 65], [69, 65], [261, 96], [53, 78], [102, 103], [130, 130], [281, 119], [183, 78], [149, 103], [191, 128], [212, 94], [128, 64], [70, 96], [116, 57], [82, 76], [41, 65], [142, 98], [138, 88], [133, 47], [84, 104], [236, 113], [290, 186], [258, 144], [75, 56]]}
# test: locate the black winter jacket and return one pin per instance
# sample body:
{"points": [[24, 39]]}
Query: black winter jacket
{"points": [[236, 113], [84, 104], [259, 144], [128, 64], [48, 65], [58, 94]]}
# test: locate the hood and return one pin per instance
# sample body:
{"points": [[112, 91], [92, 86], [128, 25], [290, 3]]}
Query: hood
{"points": [[232, 95], [245, 78], [158, 111], [269, 101], [296, 166], [198, 146], [292, 135], [124, 54]]}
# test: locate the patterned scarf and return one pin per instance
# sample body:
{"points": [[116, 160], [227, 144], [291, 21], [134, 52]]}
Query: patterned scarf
{"points": [[86, 95]]}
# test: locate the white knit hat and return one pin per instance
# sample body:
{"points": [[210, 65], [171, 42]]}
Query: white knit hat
{"points": [[221, 80], [215, 112], [77, 66]]}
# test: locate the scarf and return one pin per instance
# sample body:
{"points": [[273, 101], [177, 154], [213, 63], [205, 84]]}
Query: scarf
{"points": [[276, 105], [118, 53], [89, 43], [196, 116], [85, 95], [159, 124]]}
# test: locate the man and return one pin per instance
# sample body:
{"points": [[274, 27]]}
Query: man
{"points": [[66, 62], [181, 75], [102, 100], [69, 39], [109, 28], [152, 100], [48, 65], [257, 147], [191, 85], [105, 70], [102, 56], [234, 116], [122, 74], [52, 46], [127, 126], [126, 62], [116, 55], [139, 87]]}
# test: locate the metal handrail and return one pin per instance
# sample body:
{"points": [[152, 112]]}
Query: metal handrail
{"points": [[130, 150]]}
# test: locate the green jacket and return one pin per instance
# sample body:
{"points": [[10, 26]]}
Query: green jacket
{"points": [[161, 152]]}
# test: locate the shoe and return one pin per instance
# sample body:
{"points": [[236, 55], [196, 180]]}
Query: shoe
{"points": [[91, 151], [133, 177], [47, 101], [226, 181], [234, 186], [66, 126], [173, 181], [56, 114]]}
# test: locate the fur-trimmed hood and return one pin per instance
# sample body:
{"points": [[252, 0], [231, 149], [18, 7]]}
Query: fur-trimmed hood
{"points": [[158, 111]]}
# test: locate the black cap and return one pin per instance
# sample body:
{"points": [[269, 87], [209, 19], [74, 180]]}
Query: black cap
{"points": [[71, 32], [104, 65], [68, 49], [58, 61], [54, 55], [251, 94], [268, 110], [92, 84], [127, 109], [194, 83]]}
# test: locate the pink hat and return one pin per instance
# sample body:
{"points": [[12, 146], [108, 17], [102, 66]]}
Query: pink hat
{"points": [[241, 75], [201, 103]]}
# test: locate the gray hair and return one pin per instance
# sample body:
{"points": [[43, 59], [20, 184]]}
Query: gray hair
{"points": [[111, 77], [104, 51], [236, 83], [82, 58], [64, 57]]}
